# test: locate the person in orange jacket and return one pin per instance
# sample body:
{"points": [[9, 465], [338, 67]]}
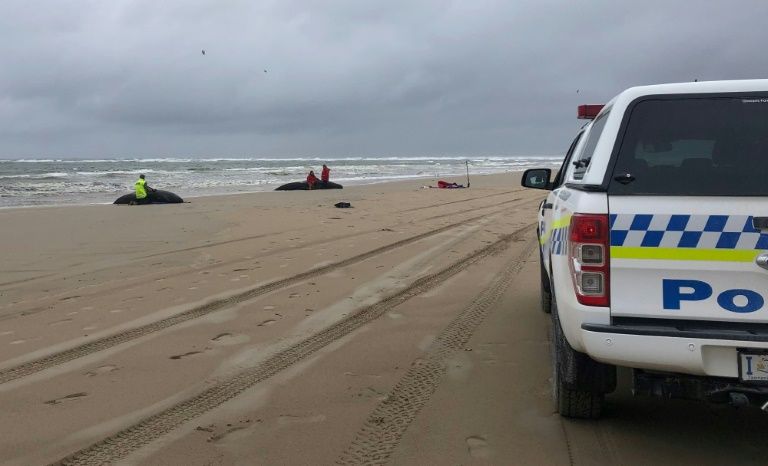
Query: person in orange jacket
{"points": [[311, 179]]}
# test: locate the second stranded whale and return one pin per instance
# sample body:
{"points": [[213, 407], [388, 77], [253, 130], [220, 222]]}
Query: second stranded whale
{"points": [[302, 185]]}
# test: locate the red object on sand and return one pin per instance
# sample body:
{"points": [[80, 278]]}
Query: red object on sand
{"points": [[446, 185]]}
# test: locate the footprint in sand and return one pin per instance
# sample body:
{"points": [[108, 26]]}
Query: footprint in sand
{"points": [[286, 419], [267, 322], [70, 397], [90, 327], [102, 370], [217, 437], [219, 433], [116, 311], [17, 342], [229, 339], [478, 447], [190, 353], [59, 322], [268, 308], [370, 392], [73, 313], [192, 288], [352, 374]]}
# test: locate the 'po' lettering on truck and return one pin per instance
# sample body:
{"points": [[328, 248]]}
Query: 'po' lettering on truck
{"points": [[677, 291]]}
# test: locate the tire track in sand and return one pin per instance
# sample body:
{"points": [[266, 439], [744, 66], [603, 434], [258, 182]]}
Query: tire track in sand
{"points": [[345, 236], [462, 200], [101, 344], [382, 431], [128, 440], [133, 281]]}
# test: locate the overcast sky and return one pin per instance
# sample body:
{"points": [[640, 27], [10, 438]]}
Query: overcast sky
{"points": [[347, 77]]}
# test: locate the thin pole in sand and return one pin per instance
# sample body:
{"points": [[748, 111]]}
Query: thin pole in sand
{"points": [[467, 163]]}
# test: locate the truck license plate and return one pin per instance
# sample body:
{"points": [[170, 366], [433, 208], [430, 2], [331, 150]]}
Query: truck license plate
{"points": [[753, 366]]}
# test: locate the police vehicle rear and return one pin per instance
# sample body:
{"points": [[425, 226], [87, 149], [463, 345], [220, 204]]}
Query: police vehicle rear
{"points": [[654, 247]]}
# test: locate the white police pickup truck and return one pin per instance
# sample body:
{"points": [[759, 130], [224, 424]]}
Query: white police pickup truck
{"points": [[654, 247]]}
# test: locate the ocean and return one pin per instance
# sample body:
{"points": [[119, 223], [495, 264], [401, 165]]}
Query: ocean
{"points": [[34, 182]]}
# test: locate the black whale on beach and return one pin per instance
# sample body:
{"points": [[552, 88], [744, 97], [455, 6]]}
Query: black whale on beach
{"points": [[155, 197], [302, 185]]}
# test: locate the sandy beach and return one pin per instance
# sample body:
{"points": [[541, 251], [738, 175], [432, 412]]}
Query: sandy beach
{"points": [[112, 314], [276, 329]]}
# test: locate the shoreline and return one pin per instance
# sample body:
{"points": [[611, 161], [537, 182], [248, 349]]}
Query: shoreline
{"points": [[271, 188]]}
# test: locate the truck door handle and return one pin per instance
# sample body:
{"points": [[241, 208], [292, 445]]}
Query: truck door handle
{"points": [[760, 223], [762, 261], [546, 205]]}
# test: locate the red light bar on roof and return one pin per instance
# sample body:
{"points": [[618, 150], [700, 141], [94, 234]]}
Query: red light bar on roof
{"points": [[589, 112]]}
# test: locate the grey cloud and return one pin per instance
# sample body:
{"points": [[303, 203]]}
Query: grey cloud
{"points": [[344, 77]]}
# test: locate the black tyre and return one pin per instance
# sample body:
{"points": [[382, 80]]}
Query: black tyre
{"points": [[579, 383], [546, 291]]}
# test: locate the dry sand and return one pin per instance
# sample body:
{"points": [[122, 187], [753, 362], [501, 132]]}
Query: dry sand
{"points": [[78, 281], [275, 329]]}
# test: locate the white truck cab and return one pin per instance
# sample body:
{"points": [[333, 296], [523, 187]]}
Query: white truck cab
{"points": [[654, 247]]}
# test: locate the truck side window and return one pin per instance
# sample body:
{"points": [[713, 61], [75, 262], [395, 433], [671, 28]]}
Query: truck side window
{"points": [[589, 146], [560, 177]]}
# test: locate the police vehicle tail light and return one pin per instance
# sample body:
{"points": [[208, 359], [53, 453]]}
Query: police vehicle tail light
{"points": [[589, 240]]}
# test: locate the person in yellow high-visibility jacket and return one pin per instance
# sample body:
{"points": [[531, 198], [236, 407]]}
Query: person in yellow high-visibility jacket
{"points": [[141, 190]]}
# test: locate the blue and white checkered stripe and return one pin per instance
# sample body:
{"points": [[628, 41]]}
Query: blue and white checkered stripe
{"points": [[686, 231], [560, 241]]}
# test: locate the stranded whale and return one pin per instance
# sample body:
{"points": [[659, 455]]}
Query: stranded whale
{"points": [[155, 197], [302, 185]]}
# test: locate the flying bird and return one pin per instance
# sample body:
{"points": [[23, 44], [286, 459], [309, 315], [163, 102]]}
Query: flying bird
{"points": [[265, 71], [203, 51]]}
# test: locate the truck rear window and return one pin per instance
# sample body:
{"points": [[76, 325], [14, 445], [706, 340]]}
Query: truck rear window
{"points": [[694, 147]]}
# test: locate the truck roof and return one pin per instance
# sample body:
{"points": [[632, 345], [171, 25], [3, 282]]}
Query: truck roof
{"points": [[743, 85]]}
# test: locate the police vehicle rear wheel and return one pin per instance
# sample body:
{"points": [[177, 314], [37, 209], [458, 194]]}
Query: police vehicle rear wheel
{"points": [[578, 382], [546, 293]]}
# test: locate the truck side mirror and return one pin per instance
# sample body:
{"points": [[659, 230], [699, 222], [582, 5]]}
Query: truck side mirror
{"points": [[537, 178]]}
